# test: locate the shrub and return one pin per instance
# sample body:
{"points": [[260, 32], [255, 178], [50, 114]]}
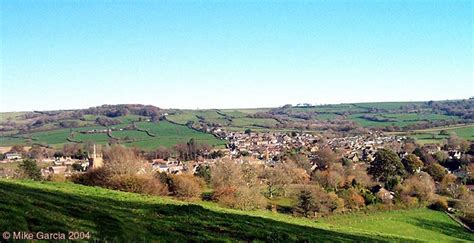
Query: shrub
{"points": [[56, 178], [436, 171], [352, 198], [242, 197], [204, 171], [313, 201], [420, 186], [226, 173], [29, 169], [94, 177], [384, 196], [249, 199], [225, 195], [306, 205], [410, 202], [121, 160], [440, 203], [138, 184], [186, 186], [412, 163]]}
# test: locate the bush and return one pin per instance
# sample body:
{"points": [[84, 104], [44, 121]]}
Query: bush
{"points": [[138, 184], [436, 171], [204, 171], [242, 197], [94, 177], [420, 186], [29, 169], [313, 201], [440, 203], [352, 198], [56, 178], [249, 199], [186, 186]]}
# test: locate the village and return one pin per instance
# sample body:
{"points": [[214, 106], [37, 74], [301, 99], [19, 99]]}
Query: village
{"points": [[258, 148]]}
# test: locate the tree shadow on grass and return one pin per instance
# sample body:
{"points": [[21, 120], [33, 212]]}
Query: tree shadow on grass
{"points": [[453, 230], [23, 208]]}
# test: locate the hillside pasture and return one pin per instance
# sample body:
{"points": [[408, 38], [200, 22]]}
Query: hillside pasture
{"points": [[432, 135], [234, 113], [387, 105], [398, 119], [119, 216], [167, 134], [183, 117], [246, 122]]}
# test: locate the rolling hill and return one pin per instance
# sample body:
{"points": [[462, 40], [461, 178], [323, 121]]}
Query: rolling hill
{"points": [[132, 124]]}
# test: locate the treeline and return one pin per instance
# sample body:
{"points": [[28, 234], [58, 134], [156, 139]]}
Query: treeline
{"points": [[70, 118], [123, 110], [461, 108]]}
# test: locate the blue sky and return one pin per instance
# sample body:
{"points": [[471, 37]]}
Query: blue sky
{"points": [[230, 54]]}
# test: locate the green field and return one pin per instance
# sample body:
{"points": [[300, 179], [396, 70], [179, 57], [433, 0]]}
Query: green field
{"points": [[118, 216], [246, 122], [387, 105], [166, 134], [432, 135], [227, 118], [399, 119], [183, 117]]}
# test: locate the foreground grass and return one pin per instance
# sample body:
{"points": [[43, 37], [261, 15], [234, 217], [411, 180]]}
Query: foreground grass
{"points": [[119, 216]]}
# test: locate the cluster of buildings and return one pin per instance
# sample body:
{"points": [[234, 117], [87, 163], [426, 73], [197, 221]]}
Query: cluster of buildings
{"points": [[267, 145], [363, 147]]}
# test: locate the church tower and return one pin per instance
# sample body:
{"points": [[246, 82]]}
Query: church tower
{"points": [[96, 160]]}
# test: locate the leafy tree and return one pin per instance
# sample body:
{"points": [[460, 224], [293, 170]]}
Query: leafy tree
{"points": [[386, 165], [30, 169], [412, 163]]}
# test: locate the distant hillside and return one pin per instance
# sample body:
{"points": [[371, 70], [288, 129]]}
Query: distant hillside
{"points": [[135, 125], [119, 216]]}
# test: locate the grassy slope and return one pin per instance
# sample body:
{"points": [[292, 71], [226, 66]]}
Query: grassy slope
{"points": [[52, 207]]}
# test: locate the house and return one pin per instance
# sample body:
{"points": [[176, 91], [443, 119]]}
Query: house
{"points": [[55, 169], [160, 167], [354, 157], [12, 156], [454, 154], [470, 187]]}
